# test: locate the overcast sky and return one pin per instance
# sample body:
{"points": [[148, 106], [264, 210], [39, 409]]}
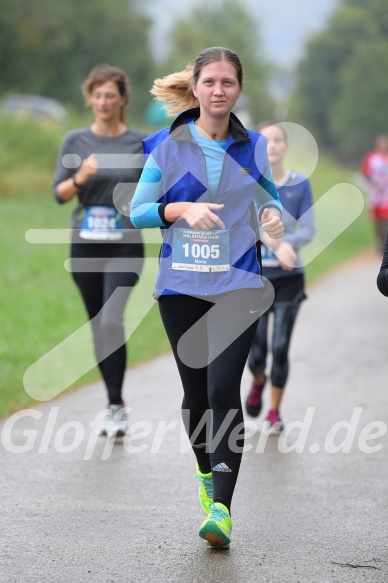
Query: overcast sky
{"points": [[285, 24]]}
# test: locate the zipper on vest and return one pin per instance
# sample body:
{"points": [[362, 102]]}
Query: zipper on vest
{"points": [[222, 172], [208, 200]]}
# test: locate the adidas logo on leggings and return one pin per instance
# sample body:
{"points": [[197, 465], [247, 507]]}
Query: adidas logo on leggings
{"points": [[221, 468]]}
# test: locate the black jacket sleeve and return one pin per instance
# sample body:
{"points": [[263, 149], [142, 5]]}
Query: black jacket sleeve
{"points": [[382, 278]]}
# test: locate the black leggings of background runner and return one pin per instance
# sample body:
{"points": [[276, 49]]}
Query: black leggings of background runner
{"points": [[106, 317], [289, 293]]}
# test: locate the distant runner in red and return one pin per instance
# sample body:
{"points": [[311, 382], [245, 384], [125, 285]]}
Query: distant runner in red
{"points": [[375, 168]]}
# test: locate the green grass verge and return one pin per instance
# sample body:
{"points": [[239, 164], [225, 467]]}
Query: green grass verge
{"points": [[340, 206], [41, 310]]}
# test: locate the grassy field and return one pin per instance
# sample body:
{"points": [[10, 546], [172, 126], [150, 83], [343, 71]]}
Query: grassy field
{"points": [[41, 308], [340, 204], [43, 324]]}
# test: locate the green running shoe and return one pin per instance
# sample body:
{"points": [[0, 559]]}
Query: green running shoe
{"points": [[205, 490], [217, 527]]}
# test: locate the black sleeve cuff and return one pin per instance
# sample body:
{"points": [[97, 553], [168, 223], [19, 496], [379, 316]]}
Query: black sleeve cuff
{"points": [[382, 282], [161, 209], [58, 198]]}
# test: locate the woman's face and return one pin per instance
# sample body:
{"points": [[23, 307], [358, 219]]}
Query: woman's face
{"points": [[106, 102], [217, 89], [277, 145]]}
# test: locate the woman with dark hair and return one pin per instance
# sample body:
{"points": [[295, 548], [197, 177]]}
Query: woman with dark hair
{"points": [[94, 165], [201, 181], [283, 267]]}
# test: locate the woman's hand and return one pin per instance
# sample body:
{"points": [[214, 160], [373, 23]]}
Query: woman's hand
{"points": [[199, 216], [87, 169], [283, 250], [286, 255], [271, 223], [67, 190]]}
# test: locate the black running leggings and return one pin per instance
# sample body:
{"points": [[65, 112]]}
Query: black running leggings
{"points": [[283, 325], [289, 293], [105, 274], [212, 389]]}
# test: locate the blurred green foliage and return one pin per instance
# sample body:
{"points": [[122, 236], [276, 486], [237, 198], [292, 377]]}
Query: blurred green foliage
{"points": [[342, 88], [225, 24], [48, 47]]}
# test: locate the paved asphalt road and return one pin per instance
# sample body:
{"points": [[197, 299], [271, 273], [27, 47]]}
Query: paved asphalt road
{"points": [[128, 512]]}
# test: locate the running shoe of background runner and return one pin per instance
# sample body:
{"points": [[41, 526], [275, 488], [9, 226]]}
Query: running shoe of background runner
{"points": [[273, 425], [254, 401], [115, 422]]}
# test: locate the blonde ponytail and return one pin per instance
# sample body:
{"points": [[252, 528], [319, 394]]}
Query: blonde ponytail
{"points": [[175, 91]]}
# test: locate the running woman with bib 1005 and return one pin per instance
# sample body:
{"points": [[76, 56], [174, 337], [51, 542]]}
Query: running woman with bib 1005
{"points": [[201, 180]]}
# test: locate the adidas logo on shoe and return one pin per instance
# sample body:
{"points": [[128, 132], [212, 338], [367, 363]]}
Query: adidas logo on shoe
{"points": [[221, 468]]}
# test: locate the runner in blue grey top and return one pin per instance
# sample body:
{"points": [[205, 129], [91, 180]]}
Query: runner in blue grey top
{"points": [[283, 267], [202, 178], [100, 166]]}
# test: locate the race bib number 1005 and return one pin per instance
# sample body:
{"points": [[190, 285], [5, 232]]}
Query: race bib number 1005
{"points": [[200, 250]]}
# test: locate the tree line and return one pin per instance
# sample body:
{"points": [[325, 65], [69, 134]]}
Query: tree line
{"points": [[342, 82], [47, 47]]}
